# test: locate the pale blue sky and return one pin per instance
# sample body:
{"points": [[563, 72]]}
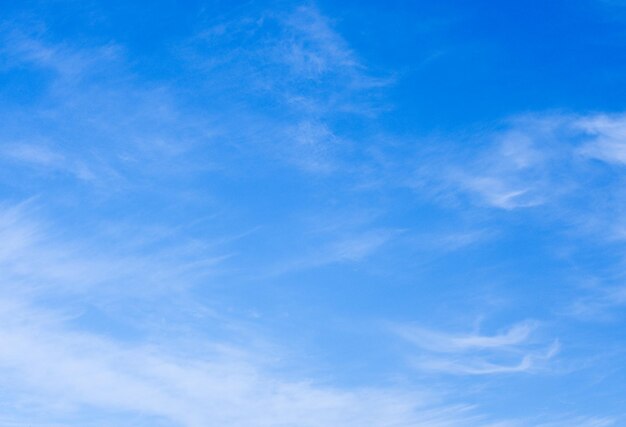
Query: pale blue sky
{"points": [[313, 214]]}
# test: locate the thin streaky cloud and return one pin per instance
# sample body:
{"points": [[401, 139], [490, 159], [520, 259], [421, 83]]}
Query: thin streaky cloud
{"points": [[477, 354]]}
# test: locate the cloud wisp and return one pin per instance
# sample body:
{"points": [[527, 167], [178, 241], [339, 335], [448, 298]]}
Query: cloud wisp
{"points": [[476, 354], [56, 371]]}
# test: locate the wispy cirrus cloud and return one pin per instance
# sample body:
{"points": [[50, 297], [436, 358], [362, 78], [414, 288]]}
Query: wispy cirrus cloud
{"points": [[296, 62], [606, 136], [354, 247], [68, 63], [476, 354], [315, 48], [63, 371], [55, 370], [517, 167], [550, 163], [38, 258], [580, 422], [599, 302], [90, 92]]}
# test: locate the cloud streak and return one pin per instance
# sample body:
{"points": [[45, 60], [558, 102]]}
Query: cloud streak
{"points": [[476, 354]]}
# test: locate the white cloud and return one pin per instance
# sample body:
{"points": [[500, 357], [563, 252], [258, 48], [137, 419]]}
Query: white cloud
{"points": [[563, 165], [36, 154], [314, 48], [52, 371], [476, 354], [312, 146], [444, 343], [580, 422], [607, 137], [69, 375], [301, 68], [127, 128], [597, 302], [40, 156], [498, 193], [512, 171], [351, 248], [34, 257], [68, 63]]}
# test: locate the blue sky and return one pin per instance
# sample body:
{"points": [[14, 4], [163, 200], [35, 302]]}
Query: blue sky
{"points": [[313, 214]]}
